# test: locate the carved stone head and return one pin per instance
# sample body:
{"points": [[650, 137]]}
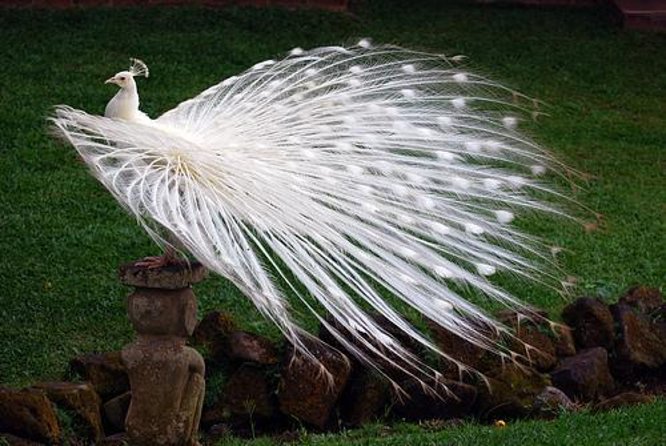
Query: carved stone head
{"points": [[163, 312]]}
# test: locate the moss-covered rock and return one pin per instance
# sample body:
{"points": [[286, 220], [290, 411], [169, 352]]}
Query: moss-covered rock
{"points": [[82, 400], [29, 414], [510, 392], [105, 372]]}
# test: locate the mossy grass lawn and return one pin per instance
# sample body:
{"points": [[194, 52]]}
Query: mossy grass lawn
{"points": [[62, 236], [635, 426]]}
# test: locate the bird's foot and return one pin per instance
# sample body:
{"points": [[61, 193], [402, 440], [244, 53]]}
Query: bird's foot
{"points": [[154, 262]]}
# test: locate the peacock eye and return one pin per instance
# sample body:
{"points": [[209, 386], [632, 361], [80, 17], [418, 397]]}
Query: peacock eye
{"points": [[122, 78]]}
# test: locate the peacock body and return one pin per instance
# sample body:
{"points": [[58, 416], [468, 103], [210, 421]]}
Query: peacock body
{"points": [[354, 171]]}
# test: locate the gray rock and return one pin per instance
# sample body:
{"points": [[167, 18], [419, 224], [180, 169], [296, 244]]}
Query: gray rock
{"points": [[213, 333], [105, 372], [551, 402], [420, 405], [304, 391], [82, 400], [386, 362], [29, 414], [244, 346], [640, 342], [642, 298], [533, 338], [365, 398], [584, 376], [115, 412], [247, 394], [591, 322], [564, 341], [623, 400], [463, 351]]}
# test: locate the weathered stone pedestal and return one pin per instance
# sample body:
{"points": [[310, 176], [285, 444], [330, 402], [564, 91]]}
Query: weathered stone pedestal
{"points": [[166, 377]]}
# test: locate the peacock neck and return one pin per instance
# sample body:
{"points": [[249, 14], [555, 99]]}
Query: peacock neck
{"points": [[124, 105], [130, 96], [129, 91]]}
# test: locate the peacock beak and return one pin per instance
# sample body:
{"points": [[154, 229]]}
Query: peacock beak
{"points": [[110, 80]]}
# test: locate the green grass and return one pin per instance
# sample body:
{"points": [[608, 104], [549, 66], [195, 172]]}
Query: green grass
{"points": [[62, 236], [642, 425]]}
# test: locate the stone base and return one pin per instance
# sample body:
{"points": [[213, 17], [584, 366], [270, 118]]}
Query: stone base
{"points": [[166, 377]]}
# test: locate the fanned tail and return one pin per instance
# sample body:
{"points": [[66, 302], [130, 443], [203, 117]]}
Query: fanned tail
{"points": [[367, 171]]}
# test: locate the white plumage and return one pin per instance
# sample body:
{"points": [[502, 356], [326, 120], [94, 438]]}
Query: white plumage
{"points": [[365, 170], [125, 104]]}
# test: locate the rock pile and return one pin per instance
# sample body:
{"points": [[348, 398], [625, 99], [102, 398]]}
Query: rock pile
{"points": [[606, 356]]}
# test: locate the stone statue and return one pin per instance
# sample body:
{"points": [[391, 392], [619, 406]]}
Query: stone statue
{"points": [[166, 377]]}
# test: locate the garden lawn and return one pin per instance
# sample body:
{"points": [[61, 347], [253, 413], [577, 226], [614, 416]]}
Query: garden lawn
{"points": [[62, 236], [638, 426]]}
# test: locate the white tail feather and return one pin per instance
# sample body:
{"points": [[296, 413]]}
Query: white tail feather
{"points": [[362, 169]]}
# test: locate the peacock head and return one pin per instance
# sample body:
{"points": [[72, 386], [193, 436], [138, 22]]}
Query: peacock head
{"points": [[125, 79]]}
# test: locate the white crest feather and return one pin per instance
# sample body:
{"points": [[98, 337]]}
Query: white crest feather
{"points": [[138, 68]]}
